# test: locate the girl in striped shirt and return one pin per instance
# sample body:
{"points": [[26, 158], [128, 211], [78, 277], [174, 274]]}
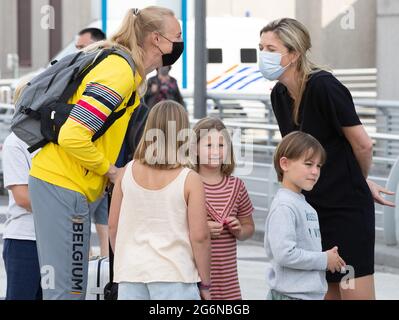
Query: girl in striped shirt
{"points": [[228, 205]]}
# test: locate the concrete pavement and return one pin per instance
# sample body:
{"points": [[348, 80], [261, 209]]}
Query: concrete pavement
{"points": [[251, 269], [252, 264]]}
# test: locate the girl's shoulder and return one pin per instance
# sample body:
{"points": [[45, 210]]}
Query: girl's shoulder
{"points": [[235, 183], [236, 180], [191, 175]]}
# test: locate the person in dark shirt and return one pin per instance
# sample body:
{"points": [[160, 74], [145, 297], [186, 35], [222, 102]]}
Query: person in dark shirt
{"points": [[312, 100], [162, 87]]}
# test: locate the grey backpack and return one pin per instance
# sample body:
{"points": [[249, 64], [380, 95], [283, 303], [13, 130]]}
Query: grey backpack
{"points": [[42, 108]]}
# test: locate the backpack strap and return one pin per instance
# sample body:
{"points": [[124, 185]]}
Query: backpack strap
{"points": [[116, 115], [37, 146], [74, 85]]}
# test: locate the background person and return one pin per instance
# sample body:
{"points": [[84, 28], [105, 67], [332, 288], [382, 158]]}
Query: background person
{"points": [[162, 87], [88, 36], [19, 251]]}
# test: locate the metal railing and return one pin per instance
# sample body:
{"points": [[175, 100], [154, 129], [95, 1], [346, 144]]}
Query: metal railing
{"points": [[387, 219], [376, 115], [264, 134], [261, 133]]}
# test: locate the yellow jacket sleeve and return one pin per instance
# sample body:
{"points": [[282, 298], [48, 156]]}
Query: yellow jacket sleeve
{"points": [[105, 89]]}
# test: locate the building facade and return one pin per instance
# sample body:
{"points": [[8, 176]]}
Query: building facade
{"points": [[35, 30]]}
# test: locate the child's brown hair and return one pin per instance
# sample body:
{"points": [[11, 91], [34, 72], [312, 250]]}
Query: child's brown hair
{"points": [[203, 127], [294, 146]]}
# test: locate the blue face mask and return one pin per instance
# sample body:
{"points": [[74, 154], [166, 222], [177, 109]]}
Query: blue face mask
{"points": [[269, 65]]}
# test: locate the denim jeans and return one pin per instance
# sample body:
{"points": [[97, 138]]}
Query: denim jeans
{"points": [[22, 270]]}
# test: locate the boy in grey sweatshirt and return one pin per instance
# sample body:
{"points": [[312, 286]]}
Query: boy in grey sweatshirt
{"points": [[292, 234]]}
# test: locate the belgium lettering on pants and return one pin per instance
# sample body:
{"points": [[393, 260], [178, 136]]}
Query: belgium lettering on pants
{"points": [[62, 225]]}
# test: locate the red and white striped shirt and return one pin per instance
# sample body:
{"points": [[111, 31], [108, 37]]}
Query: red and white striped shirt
{"points": [[229, 198]]}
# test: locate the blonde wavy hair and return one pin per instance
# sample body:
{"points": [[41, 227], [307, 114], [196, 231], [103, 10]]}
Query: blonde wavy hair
{"points": [[136, 25], [296, 38]]}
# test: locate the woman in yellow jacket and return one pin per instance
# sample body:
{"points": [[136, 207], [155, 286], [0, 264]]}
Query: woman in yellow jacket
{"points": [[64, 178]]}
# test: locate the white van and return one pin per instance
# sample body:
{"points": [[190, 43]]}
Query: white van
{"points": [[232, 54]]}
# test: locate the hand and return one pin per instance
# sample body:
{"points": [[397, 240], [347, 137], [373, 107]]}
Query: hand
{"points": [[334, 261], [205, 294], [215, 229], [376, 190], [234, 226], [112, 173]]}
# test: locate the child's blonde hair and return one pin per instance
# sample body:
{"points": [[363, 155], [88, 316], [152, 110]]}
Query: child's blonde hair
{"points": [[167, 145], [22, 84], [201, 129], [295, 146]]}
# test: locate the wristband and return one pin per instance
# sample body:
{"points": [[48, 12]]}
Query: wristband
{"points": [[203, 286]]}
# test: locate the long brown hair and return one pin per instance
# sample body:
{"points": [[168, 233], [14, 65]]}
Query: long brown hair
{"points": [[296, 38], [203, 127]]}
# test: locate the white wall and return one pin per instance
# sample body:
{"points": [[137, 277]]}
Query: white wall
{"points": [[268, 10], [8, 34], [118, 8], [77, 14], [40, 36], [387, 49]]}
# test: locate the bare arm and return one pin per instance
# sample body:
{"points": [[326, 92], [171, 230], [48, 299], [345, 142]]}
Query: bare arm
{"points": [[198, 226], [21, 196], [362, 146], [115, 208]]}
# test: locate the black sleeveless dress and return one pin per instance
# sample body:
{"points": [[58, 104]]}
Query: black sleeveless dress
{"points": [[341, 197]]}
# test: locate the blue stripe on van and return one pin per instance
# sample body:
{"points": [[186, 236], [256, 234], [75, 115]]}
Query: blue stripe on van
{"points": [[241, 79], [249, 82], [221, 83], [230, 77]]}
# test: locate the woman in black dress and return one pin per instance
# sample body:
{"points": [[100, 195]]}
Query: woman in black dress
{"points": [[312, 100]]}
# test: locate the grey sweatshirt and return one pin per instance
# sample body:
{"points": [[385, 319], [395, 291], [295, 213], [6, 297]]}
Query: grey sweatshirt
{"points": [[293, 245]]}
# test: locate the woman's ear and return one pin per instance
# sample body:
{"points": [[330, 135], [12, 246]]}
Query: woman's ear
{"points": [[295, 57], [154, 38], [284, 163]]}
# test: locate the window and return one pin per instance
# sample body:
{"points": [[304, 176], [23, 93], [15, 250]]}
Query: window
{"points": [[24, 12], [215, 56], [249, 56]]}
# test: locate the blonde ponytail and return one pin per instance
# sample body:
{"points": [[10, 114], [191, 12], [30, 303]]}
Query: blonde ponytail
{"points": [[130, 36]]}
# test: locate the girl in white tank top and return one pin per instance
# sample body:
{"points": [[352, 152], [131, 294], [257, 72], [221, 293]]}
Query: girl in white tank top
{"points": [[158, 221]]}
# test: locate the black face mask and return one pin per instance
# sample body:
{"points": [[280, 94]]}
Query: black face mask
{"points": [[170, 58]]}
